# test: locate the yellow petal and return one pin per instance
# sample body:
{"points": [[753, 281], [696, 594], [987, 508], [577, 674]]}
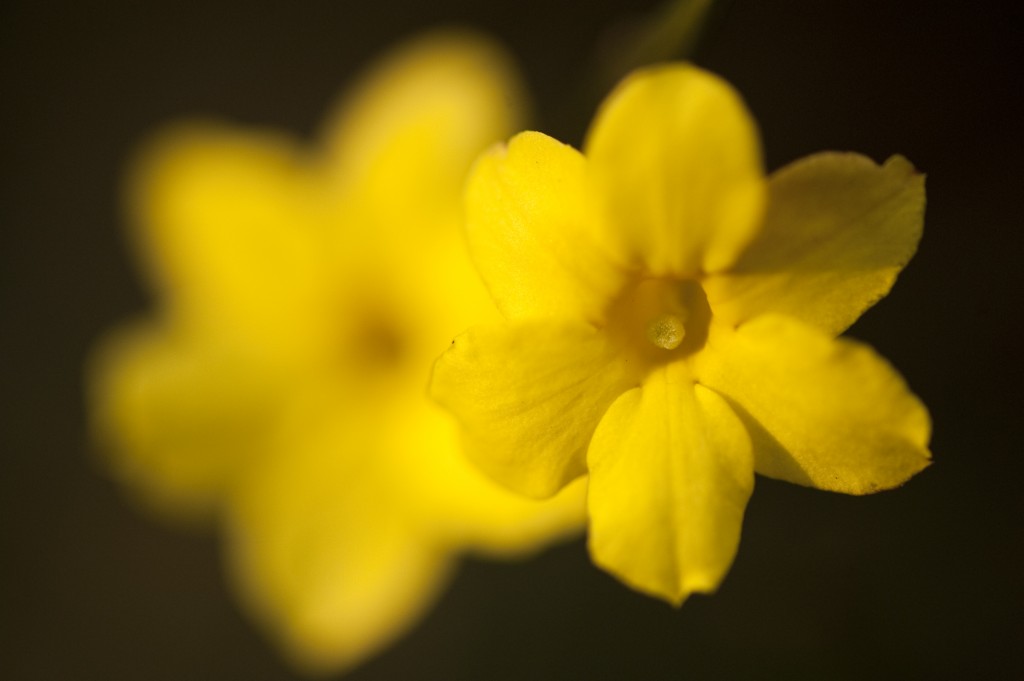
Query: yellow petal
{"points": [[529, 227], [176, 418], [528, 397], [345, 531], [398, 150], [827, 413], [323, 549], [400, 144], [229, 227], [670, 475], [677, 160], [837, 232], [457, 503]]}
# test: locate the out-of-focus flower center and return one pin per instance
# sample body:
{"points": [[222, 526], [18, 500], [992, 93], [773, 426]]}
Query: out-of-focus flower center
{"points": [[658, 320], [376, 343], [380, 343]]}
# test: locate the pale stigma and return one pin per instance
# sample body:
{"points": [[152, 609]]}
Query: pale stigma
{"points": [[666, 331]]}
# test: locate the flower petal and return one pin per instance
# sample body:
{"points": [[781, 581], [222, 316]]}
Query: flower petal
{"points": [[344, 532], [398, 151], [838, 230], [457, 503], [827, 413], [401, 143], [177, 419], [228, 225], [676, 158], [529, 396], [324, 549], [670, 475], [529, 227]]}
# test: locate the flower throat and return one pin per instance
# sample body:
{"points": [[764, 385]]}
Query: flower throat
{"points": [[661, 319]]}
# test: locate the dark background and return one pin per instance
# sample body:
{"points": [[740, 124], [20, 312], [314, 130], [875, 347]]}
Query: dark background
{"points": [[923, 582]]}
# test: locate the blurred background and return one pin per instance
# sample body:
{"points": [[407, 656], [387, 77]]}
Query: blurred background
{"points": [[921, 582]]}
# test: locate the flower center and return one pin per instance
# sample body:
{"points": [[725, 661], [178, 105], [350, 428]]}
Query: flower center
{"points": [[373, 342], [658, 320], [667, 330], [380, 343]]}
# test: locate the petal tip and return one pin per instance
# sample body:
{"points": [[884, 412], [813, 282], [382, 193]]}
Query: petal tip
{"points": [[900, 163]]}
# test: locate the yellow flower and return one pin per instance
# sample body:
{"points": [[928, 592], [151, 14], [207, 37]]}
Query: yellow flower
{"points": [[671, 325], [282, 389]]}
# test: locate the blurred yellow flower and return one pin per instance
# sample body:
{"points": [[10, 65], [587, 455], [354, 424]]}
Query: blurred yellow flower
{"points": [[282, 388], [671, 325]]}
